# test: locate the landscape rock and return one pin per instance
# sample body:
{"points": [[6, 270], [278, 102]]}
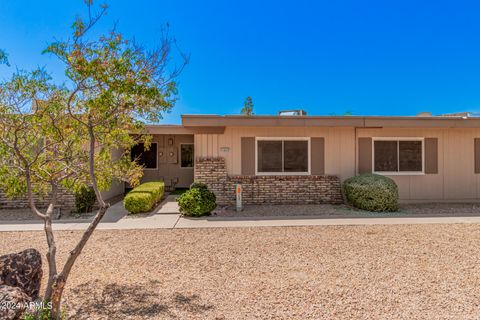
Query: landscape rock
{"points": [[22, 270], [14, 302]]}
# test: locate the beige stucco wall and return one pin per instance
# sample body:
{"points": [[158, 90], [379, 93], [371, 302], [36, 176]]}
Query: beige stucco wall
{"points": [[118, 187], [339, 145], [455, 180]]}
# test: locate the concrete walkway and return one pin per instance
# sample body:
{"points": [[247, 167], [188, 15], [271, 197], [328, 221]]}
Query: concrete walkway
{"points": [[166, 216]]}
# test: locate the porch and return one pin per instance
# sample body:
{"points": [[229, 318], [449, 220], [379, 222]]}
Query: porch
{"points": [[170, 158]]}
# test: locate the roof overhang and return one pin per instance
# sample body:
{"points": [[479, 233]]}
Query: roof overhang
{"points": [[180, 129], [210, 121]]}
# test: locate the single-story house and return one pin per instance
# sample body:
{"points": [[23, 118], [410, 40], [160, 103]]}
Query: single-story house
{"points": [[304, 159]]}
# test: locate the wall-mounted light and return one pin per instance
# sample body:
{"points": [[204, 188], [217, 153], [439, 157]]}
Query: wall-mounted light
{"points": [[171, 154], [170, 141]]}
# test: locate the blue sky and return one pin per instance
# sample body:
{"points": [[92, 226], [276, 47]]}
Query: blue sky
{"points": [[327, 57]]}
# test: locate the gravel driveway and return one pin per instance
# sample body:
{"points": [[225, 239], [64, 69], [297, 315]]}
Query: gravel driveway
{"points": [[347, 272]]}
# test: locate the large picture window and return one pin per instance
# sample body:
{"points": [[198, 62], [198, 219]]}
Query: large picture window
{"points": [[146, 158], [398, 155], [283, 156]]}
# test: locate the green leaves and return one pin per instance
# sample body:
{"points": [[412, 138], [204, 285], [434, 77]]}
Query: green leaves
{"points": [[4, 58], [40, 145], [247, 107], [114, 86], [372, 192]]}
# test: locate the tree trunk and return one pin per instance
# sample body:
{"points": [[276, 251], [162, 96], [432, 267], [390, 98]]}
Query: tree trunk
{"points": [[61, 279], [51, 258], [52, 247]]}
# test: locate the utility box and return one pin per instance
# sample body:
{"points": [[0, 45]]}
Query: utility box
{"points": [[238, 197]]}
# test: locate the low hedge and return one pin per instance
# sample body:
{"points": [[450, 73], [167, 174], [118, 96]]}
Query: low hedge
{"points": [[197, 201], [144, 197], [372, 192]]}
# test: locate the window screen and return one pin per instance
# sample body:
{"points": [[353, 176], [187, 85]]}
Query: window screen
{"points": [[386, 156], [282, 156], [146, 158], [295, 156], [270, 156], [398, 156], [410, 155], [186, 155]]}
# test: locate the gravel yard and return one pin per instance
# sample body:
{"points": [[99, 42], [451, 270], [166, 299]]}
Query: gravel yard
{"points": [[337, 211], [344, 272]]}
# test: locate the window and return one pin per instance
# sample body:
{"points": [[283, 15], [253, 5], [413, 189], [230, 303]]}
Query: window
{"points": [[398, 155], [146, 158], [283, 156], [186, 155]]}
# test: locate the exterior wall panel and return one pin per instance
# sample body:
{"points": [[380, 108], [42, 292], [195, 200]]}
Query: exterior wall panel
{"points": [[339, 146], [170, 171], [455, 181]]}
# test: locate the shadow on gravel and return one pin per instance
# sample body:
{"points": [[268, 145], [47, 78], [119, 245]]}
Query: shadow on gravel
{"points": [[118, 301]]}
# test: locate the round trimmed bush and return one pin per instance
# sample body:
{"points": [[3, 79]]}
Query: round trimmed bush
{"points": [[372, 192], [197, 201]]}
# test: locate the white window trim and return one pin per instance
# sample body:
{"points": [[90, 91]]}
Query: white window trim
{"points": [[156, 158], [399, 173], [259, 173], [180, 153]]}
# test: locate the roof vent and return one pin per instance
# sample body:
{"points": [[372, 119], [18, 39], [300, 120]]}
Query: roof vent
{"points": [[424, 114], [292, 113]]}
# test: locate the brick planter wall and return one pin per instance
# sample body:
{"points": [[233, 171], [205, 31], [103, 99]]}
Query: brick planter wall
{"points": [[66, 200], [267, 189]]}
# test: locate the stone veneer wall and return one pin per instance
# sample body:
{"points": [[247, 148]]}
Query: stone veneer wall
{"points": [[66, 201], [267, 189]]}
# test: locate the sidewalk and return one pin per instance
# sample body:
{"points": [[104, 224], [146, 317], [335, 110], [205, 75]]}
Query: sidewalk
{"points": [[167, 216], [174, 221]]}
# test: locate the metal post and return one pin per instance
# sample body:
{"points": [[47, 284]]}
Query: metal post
{"points": [[238, 194]]}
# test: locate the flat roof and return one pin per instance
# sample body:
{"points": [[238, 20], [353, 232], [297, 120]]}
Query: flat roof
{"points": [[182, 129], [203, 120]]}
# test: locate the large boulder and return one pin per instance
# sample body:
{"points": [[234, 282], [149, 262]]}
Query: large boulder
{"points": [[14, 302], [22, 270]]}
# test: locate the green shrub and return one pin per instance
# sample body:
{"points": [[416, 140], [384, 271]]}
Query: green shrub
{"points": [[144, 197], [372, 192], [84, 200], [197, 201]]}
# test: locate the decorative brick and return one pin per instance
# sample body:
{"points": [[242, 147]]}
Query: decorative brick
{"points": [[275, 189], [66, 201]]}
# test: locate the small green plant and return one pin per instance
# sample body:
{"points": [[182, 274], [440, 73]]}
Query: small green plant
{"points": [[144, 197], [372, 192], [197, 201], [43, 313], [84, 200]]}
